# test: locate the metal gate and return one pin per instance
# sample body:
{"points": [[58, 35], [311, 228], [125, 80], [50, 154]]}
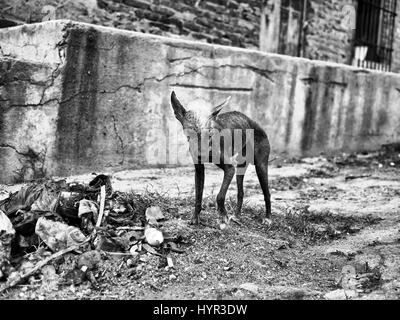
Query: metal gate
{"points": [[373, 43]]}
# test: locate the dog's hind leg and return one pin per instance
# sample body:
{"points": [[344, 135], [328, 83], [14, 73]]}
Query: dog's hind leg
{"points": [[229, 172], [240, 171], [261, 164]]}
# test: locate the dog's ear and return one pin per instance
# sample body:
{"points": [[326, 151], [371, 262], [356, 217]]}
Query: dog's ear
{"points": [[219, 107], [179, 110]]}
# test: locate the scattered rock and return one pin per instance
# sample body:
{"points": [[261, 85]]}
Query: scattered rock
{"points": [[50, 278], [251, 287], [150, 249], [153, 237], [58, 235], [172, 277], [170, 262], [153, 215], [341, 252], [7, 234], [134, 250], [90, 259], [341, 294]]}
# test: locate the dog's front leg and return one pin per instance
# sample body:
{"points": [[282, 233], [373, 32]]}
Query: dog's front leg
{"points": [[199, 186]]}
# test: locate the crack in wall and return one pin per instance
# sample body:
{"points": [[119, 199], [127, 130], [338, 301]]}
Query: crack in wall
{"points": [[173, 60], [6, 145], [229, 89], [121, 141], [32, 163], [315, 80]]}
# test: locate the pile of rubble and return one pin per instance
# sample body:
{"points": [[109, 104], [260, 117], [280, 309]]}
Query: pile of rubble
{"points": [[48, 220]]}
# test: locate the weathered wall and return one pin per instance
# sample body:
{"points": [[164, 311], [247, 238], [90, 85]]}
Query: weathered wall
{"points": [[28, 115], [396, 42], [232, 22], [103, 97], [326, 35]]}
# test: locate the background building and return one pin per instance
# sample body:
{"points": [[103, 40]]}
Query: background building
{"points": [[358, 32]]}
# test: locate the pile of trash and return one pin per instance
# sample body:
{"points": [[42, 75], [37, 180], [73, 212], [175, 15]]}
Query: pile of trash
{"points": [[354, 281], [48, 219]]}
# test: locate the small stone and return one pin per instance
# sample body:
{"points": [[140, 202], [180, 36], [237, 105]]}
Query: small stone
{"points": [[129, 262], [341, 252], [154, 214], [84, 268], [341, 294], [134, 250], [170, 262], [154, 237], [251, 287], [172, 277], [90, 259]]}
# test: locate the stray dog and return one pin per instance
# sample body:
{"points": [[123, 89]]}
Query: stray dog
{"points": [[203, 126]]}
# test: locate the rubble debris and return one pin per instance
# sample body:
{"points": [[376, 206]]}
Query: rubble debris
{"points": [[341, 252], [50, 279], [153, 215], [341, 294], [58, 235], [150, 249], [251, 287], [361, 280], [59, 222], [99, 181], [7, 233], [87, 207], [173, 247], [105, 241], [90, 259], [40, 196], [170, 262], [352, 177], [13, 281], [102, 203]]}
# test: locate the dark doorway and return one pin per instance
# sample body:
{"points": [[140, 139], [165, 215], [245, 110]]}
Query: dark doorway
{"points": [[282, 27]]}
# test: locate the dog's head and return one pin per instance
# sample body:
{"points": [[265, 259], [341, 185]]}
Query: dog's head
{"points": [[197, 122], [197, 115]]}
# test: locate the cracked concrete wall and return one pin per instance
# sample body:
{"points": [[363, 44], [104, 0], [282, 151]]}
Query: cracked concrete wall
{"points": [[28, 100], [104, 99]]}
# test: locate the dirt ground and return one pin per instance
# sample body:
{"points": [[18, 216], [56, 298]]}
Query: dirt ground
{"points": [[327, 214]]}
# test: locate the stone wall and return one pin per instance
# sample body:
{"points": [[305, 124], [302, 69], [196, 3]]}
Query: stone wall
{"points": [[326, 36], [227, 22], [80, 98], [396, 43], [232, 22]]}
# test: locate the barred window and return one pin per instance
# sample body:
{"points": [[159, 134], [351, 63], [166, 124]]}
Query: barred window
{"points": [[373, 44]]}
